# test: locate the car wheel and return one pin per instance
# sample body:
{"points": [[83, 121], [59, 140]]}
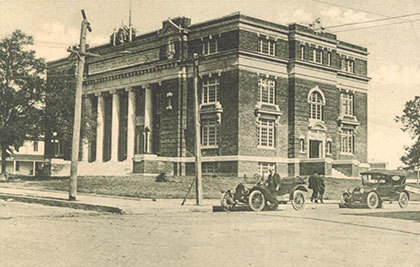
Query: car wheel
{"points": [[298, 201], [372, 200], [345, 200], [227, 202], [403, 200], [256, 200]]}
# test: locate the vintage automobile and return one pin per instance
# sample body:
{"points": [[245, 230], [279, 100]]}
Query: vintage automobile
{"points": [[257, 196], [378, 186]]}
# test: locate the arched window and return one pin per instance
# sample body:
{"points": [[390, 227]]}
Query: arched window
{"points": [[316, 105]]}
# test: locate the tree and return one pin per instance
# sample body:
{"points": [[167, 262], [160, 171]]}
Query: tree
{"points": [[411, 124], [59, 109], [21, 93]]}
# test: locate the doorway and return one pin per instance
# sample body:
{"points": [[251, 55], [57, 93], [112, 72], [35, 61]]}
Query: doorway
{"points": [[315, 149]]}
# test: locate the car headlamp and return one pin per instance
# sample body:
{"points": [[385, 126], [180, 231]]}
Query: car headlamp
{"points": [[362, 190]]}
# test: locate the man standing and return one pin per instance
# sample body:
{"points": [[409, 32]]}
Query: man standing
{"points": [[313, 184]]}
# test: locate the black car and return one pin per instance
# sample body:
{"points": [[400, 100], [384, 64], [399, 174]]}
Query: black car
{"points": [[377, 187]]}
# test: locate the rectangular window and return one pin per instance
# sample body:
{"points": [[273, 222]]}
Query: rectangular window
{"points": [[266, 90], [209, 132], [302, 52], [35, 146], [210, 46], [264, 167], [266, 46], [17, 166], [266, 133], [318, 53], [210, 89], [347, 141], [210, 168], [347, 104]]}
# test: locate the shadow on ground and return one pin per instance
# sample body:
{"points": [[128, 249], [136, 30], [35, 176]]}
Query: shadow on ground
{"points": [[403, 215]]}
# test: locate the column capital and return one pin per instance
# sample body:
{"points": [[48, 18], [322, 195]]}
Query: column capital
{"points": [[129, 89], [98, 93], [113, 91], [146, 86]]}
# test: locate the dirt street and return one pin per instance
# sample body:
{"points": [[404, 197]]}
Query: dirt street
{"points": [[320, 235]]}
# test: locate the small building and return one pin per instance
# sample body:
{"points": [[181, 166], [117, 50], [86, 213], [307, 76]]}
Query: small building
{"points": [[289, 97], [29, 160]]}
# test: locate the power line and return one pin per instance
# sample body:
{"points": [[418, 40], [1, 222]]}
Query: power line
{"points": [[375, 26], [375, 20], [356, 9]]}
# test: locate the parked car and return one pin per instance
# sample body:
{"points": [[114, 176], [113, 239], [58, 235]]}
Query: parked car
{"points": [[378, 186], [257, 196]]}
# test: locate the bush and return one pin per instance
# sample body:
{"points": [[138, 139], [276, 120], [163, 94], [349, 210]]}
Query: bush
{"points": [[162, 178]]}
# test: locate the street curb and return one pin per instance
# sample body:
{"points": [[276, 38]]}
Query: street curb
{"points": [[60, 203]]}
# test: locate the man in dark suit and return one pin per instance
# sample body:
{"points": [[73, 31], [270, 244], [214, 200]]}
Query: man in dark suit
{"points": [[313, 184], [321, 187]]}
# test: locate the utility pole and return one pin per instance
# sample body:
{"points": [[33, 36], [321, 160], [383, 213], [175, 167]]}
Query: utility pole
{"points": [[197, 143], [81, 53]]}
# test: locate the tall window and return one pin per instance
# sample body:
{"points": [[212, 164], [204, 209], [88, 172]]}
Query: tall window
{"points": [[347, 104], [347, 141], [209, 132], [302, 52], [35, 146], [315, 102], [329, 147], [210, 46], [266, 133], [210, 89], [266, 90], [264, 167], [266, 46], [318, 55], [329, 58]]}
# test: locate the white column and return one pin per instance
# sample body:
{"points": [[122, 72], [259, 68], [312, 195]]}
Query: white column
{"points": [[85, 144], [148, 118], [131, 123], [34, 168], [115, 125], [100, 128], [14, 166]]}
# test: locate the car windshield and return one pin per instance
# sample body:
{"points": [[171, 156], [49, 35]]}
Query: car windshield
{"points": [[374, 179]]}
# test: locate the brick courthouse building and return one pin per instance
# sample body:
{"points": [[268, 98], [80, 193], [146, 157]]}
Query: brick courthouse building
{"points": [[271, 95]]}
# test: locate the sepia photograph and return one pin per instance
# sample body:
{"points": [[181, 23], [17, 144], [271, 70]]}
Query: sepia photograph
{"points": [[209, 133]]}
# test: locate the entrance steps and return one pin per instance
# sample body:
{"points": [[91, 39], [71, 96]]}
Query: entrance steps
{"points": [[339, 175]]}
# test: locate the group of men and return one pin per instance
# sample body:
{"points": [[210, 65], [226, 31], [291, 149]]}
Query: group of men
{"points": [[317, 184]]}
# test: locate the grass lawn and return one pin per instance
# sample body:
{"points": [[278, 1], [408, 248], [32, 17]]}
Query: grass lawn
{"points": [[177, 187]]}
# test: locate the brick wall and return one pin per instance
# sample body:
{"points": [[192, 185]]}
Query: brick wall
{"points": [[248, 98], [169, 119], [360, 111]]}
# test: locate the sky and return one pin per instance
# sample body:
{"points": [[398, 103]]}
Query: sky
{"points": [[393, 45]]}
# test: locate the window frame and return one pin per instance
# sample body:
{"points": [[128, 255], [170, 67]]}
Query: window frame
{"points": [[266, 133], [269, 86], [271, 46], [209, 129], [316, 106], [347, 142], [207, 86], [347, 104], [208, 43]]}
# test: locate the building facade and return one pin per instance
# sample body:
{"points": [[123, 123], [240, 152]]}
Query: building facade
{"points": [[271, 96]]}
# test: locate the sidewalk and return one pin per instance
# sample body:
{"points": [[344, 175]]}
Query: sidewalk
{"points": [[103, 203], [117, 204]]}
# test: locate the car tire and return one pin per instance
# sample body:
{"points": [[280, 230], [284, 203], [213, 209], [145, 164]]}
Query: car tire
{"points": [[403, 200], [227, 201], [256, 200], [345, 200], [373, 200], [298, 201]]}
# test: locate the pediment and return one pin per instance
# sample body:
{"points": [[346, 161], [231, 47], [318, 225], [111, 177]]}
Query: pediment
{"points": [[168, 28]]}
